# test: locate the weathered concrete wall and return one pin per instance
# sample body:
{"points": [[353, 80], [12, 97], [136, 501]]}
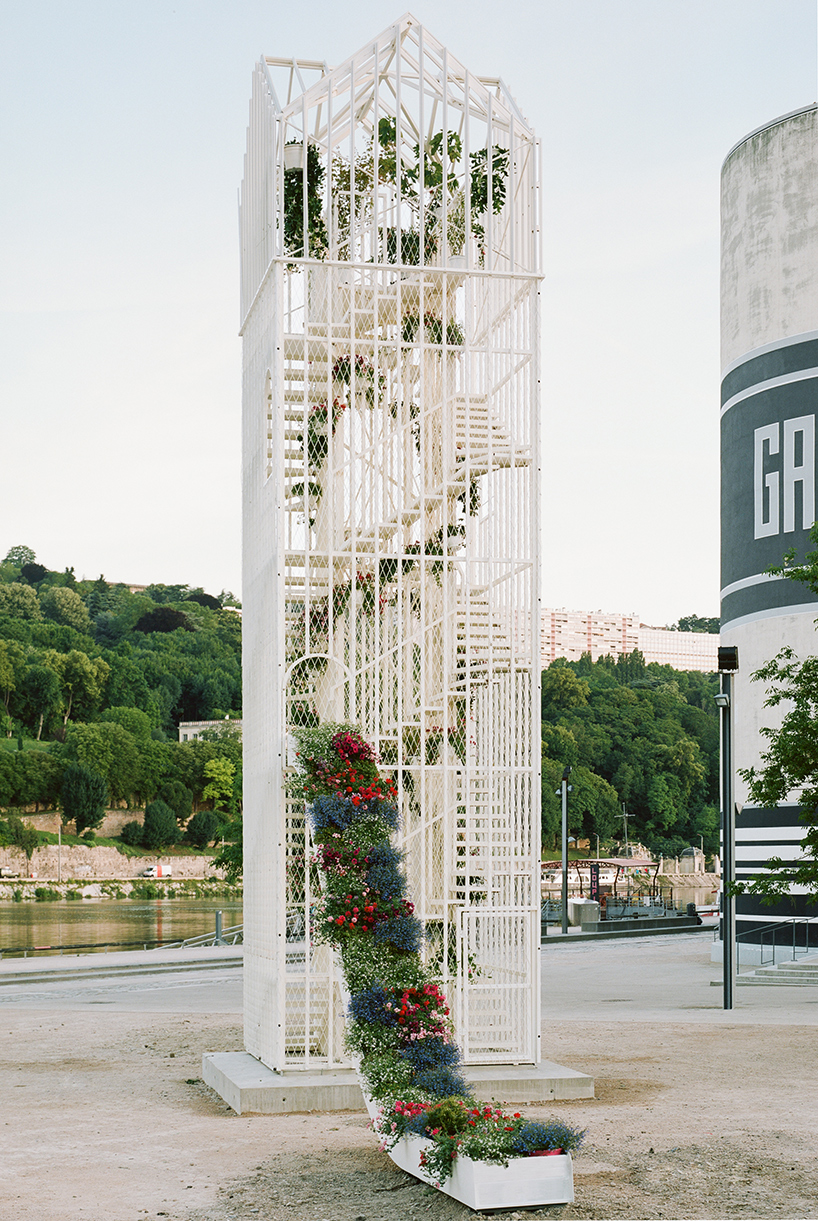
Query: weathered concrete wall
{"points": [[112, 824], [769, 275], [81, 863]]}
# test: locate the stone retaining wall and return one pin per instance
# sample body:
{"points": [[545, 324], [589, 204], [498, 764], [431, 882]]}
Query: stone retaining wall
{"points": [[112, 823], [84, 863]]}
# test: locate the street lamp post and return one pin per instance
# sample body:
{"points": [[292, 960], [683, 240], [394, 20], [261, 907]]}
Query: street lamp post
{"points": [[728, 664], [565, 788]]}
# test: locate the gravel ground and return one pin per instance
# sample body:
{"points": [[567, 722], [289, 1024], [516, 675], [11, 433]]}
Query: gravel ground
{"points": [[106, 1117], [698, 1113]]}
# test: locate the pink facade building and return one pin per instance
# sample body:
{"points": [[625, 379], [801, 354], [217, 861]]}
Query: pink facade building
{"points": [[570, 633]]}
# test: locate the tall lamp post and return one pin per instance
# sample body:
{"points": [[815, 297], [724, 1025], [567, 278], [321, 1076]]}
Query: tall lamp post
{"points": [[728, 664], [565, 789]]}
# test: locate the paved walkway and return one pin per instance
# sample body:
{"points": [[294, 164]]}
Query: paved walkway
{"points": [[655, 979], [205, 980], [643, 979]]}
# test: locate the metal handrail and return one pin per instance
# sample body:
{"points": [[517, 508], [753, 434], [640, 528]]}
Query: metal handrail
{"points": [[794, 922], [226, 936]]}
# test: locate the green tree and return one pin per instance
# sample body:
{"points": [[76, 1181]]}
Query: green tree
{"points": [[21, 835], [160, 828], [231, 857], [203, 599], [33, 573], [8, 672], [19, 555], [179, 797], [41, 690], [65, 606], [631, 726], [81, 681], [163, 619], [561, 690], [790, 763], [694, 623], [202, 828], [111, 752], [99, 597], [134, 720], [219, 789], [131, 834], [20, 602], [84, 796]]}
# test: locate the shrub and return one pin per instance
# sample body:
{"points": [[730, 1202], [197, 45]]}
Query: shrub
{"points": [[160, 829], [178, 797], [144, 890], [202, 828], [163, 619], [131, 834], [20, 834], [84, 796]]}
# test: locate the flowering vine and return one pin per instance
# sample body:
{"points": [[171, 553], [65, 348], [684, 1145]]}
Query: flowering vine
{"points": [[399, 1023]]}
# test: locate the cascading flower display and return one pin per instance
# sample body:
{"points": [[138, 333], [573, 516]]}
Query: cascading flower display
{"points": [[399, 1023]]}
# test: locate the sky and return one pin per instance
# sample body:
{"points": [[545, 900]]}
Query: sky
{"points": [[120, 365]]}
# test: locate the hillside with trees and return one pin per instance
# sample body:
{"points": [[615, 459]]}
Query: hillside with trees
{"points": [[94, 680], [643, 735]]}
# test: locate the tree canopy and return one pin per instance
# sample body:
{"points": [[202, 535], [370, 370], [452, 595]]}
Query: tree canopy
{"points": [[643, 735], [101, 677], [789, 766]]}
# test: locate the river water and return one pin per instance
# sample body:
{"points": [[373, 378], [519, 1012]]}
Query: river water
{"points": [[96, 925]]}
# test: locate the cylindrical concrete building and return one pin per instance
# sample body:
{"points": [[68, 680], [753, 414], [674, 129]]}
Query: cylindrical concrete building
{"points": [[769, 400]]}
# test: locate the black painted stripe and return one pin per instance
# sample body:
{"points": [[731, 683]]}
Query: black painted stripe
{"points": [[758, 598], [767, 843], [768, 819], [791, 358]]}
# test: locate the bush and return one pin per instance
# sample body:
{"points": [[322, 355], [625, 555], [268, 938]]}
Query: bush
{"points": [[131, 834], [179, 797], [84, 796], [145, 890], [163, 619], [202, 828], [160, 829], [46, 894], [20, 834]]}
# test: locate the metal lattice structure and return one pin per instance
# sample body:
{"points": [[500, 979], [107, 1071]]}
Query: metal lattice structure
{"points": [[391, 339]]}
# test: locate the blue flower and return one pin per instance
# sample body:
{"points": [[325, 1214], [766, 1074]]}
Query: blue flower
{"points": [[417, 1124], [370, 1006], [551, 1135], [441, 1082], [385, 811], [332, 810], [339, 810], [430, 1052], [404, 932]]}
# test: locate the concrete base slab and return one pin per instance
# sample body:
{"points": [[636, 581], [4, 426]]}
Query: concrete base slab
{"points": [[520, 1083], [248, 1086]]}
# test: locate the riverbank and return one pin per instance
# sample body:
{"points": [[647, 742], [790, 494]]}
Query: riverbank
{"points": [[84, 863], [43, 890]]}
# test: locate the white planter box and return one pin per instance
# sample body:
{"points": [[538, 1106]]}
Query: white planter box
{"points": [[523, 1183]]}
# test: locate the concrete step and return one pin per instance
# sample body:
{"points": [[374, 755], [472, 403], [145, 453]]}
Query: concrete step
{"points": [[788, 974]]}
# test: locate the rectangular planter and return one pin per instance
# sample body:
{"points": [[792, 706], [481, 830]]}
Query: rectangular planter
{"points": [[523, 1183]]}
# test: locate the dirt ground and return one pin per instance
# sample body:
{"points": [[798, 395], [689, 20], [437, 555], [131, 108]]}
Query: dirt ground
{"points": [[106, 1117]]}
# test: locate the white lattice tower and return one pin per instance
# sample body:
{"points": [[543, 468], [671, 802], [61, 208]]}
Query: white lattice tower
{"points": [[390, 324]]}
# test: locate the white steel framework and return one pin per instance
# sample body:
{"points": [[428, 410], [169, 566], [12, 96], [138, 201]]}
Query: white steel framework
{"points": [[391, 397]]}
